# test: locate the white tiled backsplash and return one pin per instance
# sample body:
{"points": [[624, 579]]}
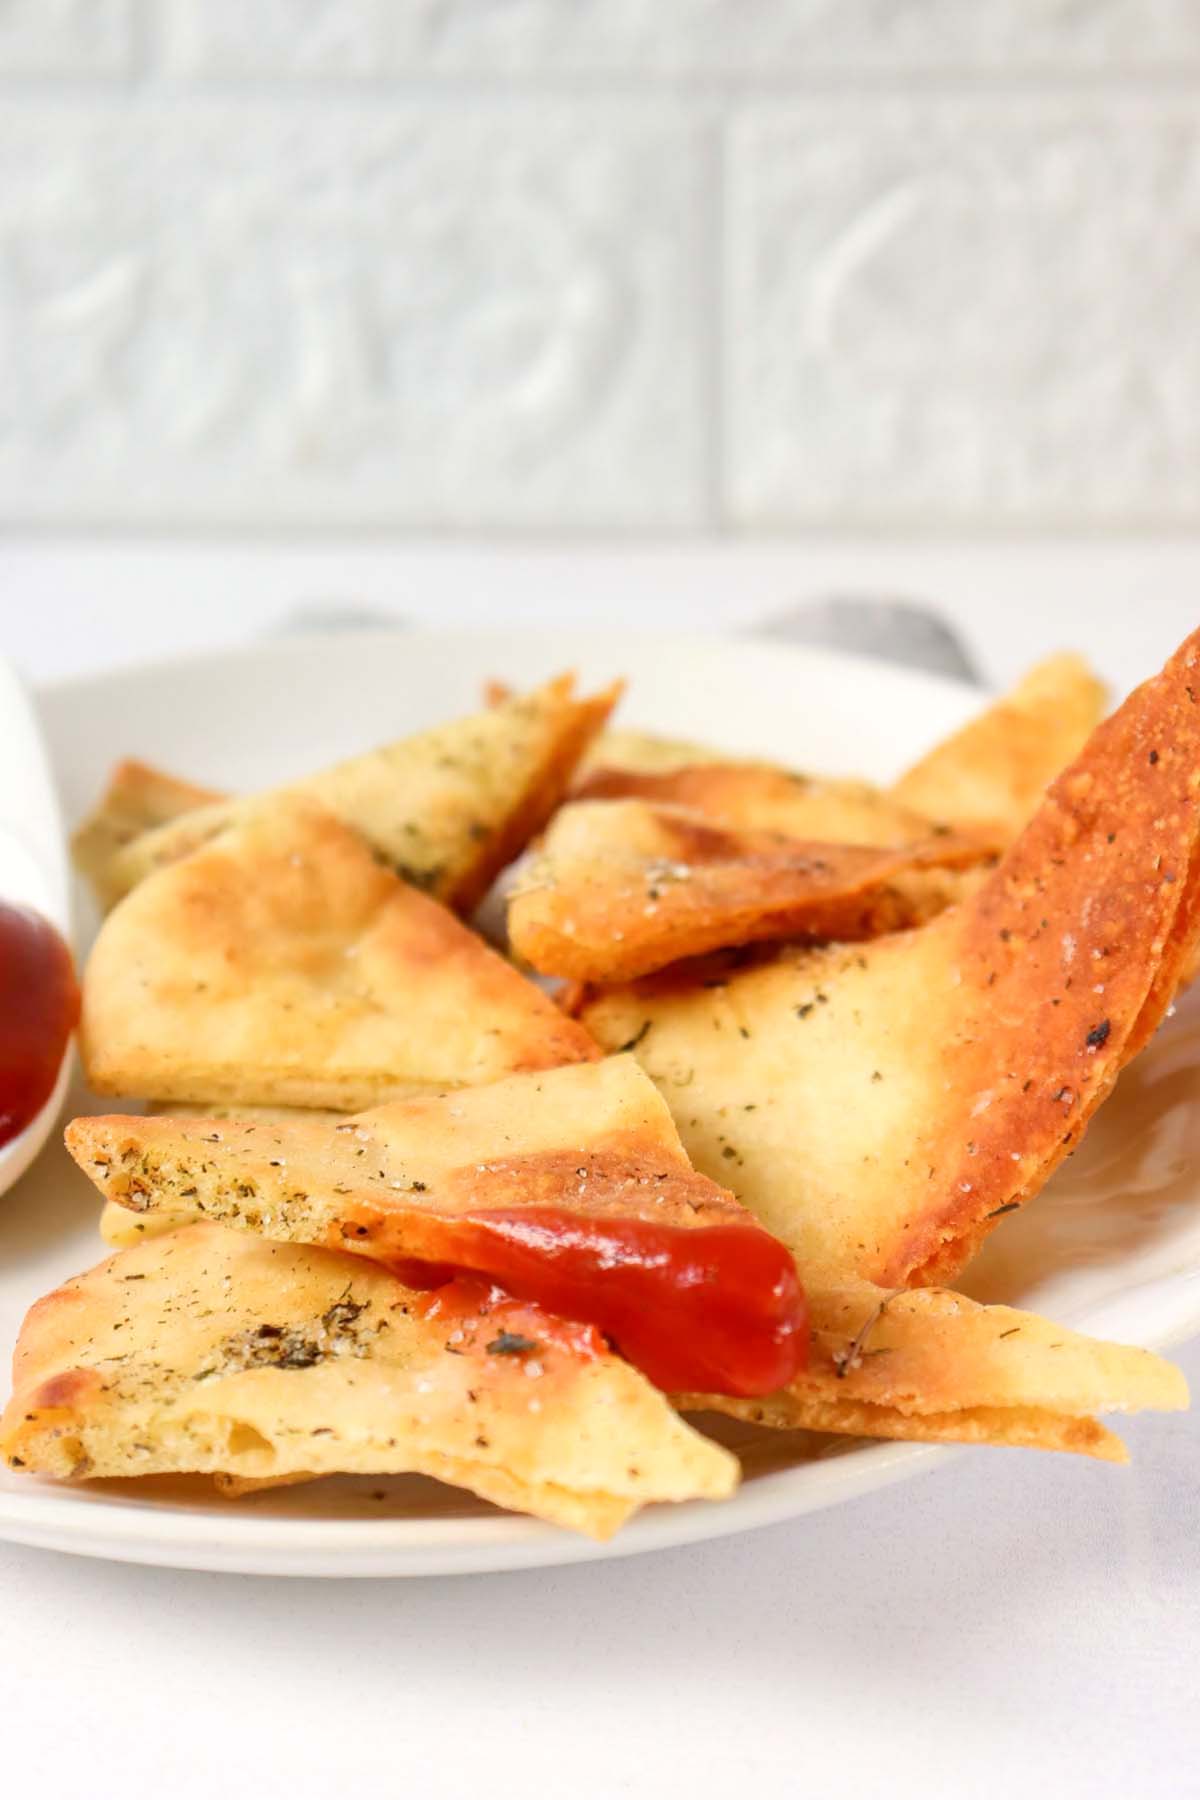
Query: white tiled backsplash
{"points": [[600, 264]]}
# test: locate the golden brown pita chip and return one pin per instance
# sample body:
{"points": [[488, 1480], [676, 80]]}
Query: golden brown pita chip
{"points": [[879, 1107], [138, 799], [935, 1367], [447, 809], [760, 797], [620, 888], [569, 1187], [215, 1352], [986, 778], [744, 795], [282, 964], [991, 775]]}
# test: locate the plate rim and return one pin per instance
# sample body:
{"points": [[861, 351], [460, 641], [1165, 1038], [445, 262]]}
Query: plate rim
{"points": [[272, 643]]}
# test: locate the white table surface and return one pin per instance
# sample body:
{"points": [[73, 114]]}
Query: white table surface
{"points": [[1006, 1624]]}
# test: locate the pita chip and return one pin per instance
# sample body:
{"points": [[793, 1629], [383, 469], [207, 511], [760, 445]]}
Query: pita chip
{"points": [[645, 753], [215, 1352], [447, 809], [881, 1106], [985, 779], [139, 798], [282, 964], [568, 1187], [759, 796], [990, 776], [934, 1367], [119, 1227], [621, 888]]}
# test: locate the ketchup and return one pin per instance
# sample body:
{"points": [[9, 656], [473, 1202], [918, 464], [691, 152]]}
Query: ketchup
{"points": [[39, 1007], [715, 1309], [484, 1314]]}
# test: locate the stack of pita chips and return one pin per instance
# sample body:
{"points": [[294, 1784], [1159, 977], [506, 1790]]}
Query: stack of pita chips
{"points": [[869, 1022], [298, 951], [882, 1107]]}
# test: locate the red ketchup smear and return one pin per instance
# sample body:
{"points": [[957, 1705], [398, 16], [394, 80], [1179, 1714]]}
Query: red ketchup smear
{"points": [[39, 1007], [707, 1309], [495, 1320]]}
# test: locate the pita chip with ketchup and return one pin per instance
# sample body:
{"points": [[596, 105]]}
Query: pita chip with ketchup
{"points": [[219, 1353], [570, 1188]]}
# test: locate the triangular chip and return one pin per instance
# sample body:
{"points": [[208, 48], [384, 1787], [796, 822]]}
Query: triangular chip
{"points": [[880, 1106], [282, 964], [119, 1227], [645, 753], [990, 776], [138, 799], [214, 1352], [447, 809], [620, 888], [985, 779], [934, 1367], [570, 1188], [752, 796]]}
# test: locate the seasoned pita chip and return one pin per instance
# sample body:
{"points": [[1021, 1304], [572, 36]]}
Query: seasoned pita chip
{"points": [[119, 1227], [644, 753], [744, 795], [447, 809], [213, 1352], [283, 965], [138, 799], [749, 796], [991, 775], [620, 888], [570, 1188], [880, 1107], [935, 1367]]}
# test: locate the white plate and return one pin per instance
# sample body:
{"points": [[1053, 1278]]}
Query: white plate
{"points": [[1112, 1246]]}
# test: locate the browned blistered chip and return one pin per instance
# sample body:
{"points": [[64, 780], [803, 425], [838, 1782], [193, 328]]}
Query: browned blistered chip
{"points": [[448, 808], [214, 1352], [620, 888], [283, 964], [881, 1106]]}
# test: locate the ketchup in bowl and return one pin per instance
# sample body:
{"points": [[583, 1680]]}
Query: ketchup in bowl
{"points": [[39, 1008]]}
